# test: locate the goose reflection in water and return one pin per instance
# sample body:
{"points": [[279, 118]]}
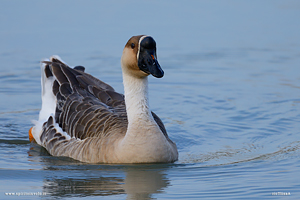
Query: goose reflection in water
{"points": [[65, 177]]}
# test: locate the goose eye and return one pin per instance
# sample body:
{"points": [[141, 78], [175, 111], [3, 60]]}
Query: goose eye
{"points": [[132, 45]]}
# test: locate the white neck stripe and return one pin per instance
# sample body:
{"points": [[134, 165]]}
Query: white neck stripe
{"points": [[138, 53]]}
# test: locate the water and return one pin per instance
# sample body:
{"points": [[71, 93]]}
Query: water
{"points": [[230, 97]]}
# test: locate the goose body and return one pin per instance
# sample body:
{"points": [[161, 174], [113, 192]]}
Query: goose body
{"points": [[85, 119]]}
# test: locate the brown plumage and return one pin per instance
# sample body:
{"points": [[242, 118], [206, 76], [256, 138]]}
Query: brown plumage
{"points": [[90, 116]]}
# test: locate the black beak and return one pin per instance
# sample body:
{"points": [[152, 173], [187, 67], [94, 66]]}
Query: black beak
{"points": [[147, 61]]}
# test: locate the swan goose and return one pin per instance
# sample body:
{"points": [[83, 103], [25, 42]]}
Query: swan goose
{"points": [[85, 119]]}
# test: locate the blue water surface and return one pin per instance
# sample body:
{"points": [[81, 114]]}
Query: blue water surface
{"points": [[230, 97]]}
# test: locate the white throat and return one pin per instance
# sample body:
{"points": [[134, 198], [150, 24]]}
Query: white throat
{"points": [[136, 100]]}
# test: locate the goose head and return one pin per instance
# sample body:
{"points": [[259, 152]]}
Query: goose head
{"points": [[139, 57]]}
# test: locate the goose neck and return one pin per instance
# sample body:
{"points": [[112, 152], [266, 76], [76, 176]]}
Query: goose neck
{"points": [[136, 99]]}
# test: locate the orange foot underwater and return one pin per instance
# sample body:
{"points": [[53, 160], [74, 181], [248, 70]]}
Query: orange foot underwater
{"points": [[31, 138]]}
